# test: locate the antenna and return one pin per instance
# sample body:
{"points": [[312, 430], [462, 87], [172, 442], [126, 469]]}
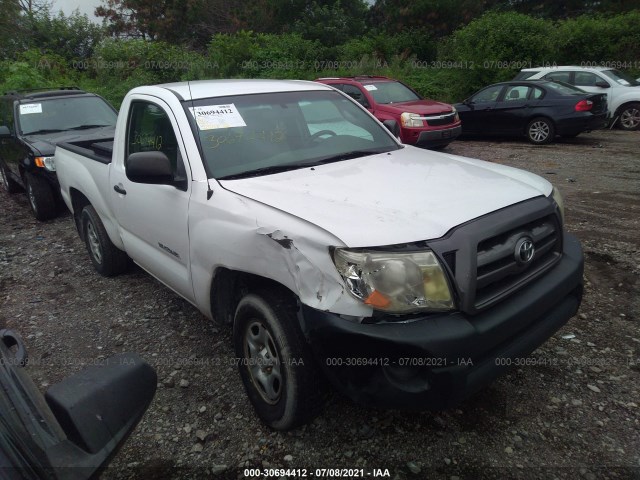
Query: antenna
{"points": [[199, 142]]}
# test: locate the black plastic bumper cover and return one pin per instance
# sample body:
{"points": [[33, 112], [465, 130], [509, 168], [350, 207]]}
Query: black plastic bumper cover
{"points": [[437, 361]]}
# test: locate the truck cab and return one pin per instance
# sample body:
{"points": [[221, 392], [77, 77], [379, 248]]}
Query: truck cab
{"points": [[336, 254]]}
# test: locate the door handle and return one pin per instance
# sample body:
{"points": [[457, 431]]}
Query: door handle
{"points": [[119, 189]]}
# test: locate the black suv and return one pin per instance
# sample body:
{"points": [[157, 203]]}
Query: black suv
{"points": [[32, 122]]}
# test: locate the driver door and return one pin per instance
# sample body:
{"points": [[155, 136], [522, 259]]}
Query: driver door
{"points": [[154, 219]]}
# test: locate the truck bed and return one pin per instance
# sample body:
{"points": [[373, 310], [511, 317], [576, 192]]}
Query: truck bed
{"points": [[100, 150]]}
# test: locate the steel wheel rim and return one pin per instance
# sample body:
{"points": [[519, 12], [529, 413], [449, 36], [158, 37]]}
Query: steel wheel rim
{"points": [[539, 131], [32, 197], [94, 244], [262, 362], [630, 118]]}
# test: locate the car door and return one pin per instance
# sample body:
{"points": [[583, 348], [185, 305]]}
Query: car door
{"points": [[12, 150], [512, 109], [477, 113], [153, 218]]}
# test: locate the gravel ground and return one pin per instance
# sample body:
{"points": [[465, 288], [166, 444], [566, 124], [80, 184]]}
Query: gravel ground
{"points": [[573, 413]]}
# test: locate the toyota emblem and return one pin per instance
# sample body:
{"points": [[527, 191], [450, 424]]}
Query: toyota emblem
{"points": [[525, 251]]}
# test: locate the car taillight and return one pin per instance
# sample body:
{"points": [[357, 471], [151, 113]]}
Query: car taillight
{"points": [[584, 106]]}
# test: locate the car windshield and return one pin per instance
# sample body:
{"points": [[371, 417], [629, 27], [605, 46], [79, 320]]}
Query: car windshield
{"points": [[390, 92], [47, 115], [621, 78], [252, 135]]}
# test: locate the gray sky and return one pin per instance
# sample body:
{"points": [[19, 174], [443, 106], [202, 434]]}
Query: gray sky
{"points": [[85, 6]]}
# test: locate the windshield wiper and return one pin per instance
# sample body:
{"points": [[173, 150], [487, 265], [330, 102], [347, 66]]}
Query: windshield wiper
{"points": [[345, 156], [86, 127], [263, 171], [294, 166], [43, 131]]}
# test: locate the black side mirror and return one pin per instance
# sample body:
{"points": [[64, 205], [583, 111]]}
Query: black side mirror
{"points": [[98, 407], [4, 131], [80, 423], [393, 127], [149, 167], [602, 84]]}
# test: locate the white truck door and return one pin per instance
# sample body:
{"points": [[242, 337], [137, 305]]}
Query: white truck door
{"points": [[154, 218]]}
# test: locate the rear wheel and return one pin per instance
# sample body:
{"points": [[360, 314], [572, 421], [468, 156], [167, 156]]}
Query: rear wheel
{"points": [[630, 116], [8, 184], [276, 365], [540, 131], [40, 195], [107, 259]]}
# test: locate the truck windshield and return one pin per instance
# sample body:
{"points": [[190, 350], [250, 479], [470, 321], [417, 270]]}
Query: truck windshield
{"points": [[47, 115], [252, 135]]}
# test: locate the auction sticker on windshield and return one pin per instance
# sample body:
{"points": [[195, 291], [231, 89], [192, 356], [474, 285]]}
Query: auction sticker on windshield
{"points": [[211, 117], [370, 88], [30, 108]]}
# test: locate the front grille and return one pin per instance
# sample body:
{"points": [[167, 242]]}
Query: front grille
{"points": [[498, 269], [480, 254], [438, 120]]}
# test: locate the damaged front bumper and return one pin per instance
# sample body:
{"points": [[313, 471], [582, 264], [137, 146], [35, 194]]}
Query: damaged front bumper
{"points": [[436, 361]]}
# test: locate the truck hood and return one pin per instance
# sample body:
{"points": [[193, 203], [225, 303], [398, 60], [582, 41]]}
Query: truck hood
{"points": [[46, 143], [391, 198], [421, 107]]}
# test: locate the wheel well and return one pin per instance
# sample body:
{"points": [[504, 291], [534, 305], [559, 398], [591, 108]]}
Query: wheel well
{"points": [[78, 202], [229, 286], [626, 104]]}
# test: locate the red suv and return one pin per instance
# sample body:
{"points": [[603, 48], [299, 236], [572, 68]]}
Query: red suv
{"points": [[416, 120]]}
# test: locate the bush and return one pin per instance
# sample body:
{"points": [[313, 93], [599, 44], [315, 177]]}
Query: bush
{"points": [[494, 48], [249, 54], [35, 70], [613, 41], [160, 61]]}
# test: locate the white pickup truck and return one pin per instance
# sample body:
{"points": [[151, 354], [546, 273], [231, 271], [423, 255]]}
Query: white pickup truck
{"points": [[404, 277]]}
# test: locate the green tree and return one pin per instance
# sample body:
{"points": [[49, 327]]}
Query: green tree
{"points": [[331, 24], [441, 17], [74, 37], [494, 47]]}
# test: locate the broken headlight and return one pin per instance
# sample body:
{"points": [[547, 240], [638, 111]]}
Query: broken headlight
{"points": [[395, 282]]}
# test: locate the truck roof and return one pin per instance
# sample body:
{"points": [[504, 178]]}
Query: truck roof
{"points": [[565, 67], [222, 88]]}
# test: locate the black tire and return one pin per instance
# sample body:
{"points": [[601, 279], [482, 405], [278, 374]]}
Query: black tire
{"points": [[107, 259], [40, 196], [629, 117], [540, 131], [275, 362], [9, 185]]}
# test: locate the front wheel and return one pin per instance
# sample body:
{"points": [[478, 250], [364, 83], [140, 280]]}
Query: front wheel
{"points": [[107, 259], [541, 131], [8, 184], [276, 365], [630, 117], [40, 195]]}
